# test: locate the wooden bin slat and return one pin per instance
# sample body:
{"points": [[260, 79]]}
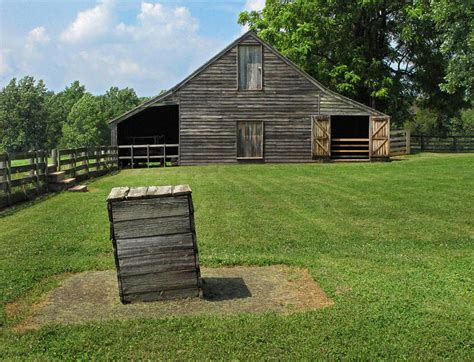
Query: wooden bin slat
{"points": [[152, 208], [154, 244], [158, 281], [151, 227]]}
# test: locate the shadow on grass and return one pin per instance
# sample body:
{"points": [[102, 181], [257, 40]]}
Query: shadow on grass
{"points": [[33, 200], [219, 289]]}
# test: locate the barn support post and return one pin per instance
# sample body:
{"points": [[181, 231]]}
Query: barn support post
{"points": [[164, 154], [148, 155]]}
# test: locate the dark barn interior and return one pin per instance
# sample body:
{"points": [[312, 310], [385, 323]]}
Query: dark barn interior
{"points": [[152, 125], [350, 137], [157, 125]]}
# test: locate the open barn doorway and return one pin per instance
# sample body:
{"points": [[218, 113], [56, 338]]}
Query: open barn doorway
{"points": [[350, 137], [150, 137]]}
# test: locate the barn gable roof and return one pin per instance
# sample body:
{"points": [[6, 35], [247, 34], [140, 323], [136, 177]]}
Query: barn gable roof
{"points": [[162, 97]]}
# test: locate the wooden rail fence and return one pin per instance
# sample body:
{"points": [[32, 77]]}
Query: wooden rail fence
{"points": [[24, 175], [454, 143], [85, 162], [400, 142]]}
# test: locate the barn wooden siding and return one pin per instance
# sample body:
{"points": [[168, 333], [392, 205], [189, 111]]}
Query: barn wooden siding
{"points": [[211, 105], [154, 240]]}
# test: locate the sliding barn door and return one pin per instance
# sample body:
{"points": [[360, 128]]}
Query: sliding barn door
{"points": [[379, 137], [321, 142]]}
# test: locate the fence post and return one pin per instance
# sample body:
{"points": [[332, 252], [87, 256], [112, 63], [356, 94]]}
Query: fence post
{"points": [[74, 162], [9, 180], [31, 161], [86, 155], [131, 154], [422, 144], [408, 141], [37, 171], [455, 146], [59, 159], [54, 158], [3, 178], [45, 171]]}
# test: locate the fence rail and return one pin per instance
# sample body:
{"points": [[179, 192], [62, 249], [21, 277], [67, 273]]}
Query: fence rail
{"points": [[400, 142], [82, 163], [149, 153], [25, 175], [454, 143]]}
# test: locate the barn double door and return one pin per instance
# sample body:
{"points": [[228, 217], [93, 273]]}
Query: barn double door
{"points": [[325, 147]]}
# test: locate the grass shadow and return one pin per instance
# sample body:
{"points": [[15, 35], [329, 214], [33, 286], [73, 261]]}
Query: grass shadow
{"points": [[219, 289]]}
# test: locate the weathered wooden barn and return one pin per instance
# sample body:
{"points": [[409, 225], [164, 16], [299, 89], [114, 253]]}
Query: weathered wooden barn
{"points": [[250, 104]]}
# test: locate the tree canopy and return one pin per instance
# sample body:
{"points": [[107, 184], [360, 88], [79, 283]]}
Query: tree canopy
{"points": [[32, 117], [23, 116], [386, 54]]}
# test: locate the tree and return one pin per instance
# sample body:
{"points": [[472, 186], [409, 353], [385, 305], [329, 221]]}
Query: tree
{"points": [[23, 115], [59, 105], [384, 54], [87, 123], [119, 101], [454, 20]]}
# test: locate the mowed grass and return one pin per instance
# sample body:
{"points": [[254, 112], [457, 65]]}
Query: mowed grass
{"points": [[390, 243]]}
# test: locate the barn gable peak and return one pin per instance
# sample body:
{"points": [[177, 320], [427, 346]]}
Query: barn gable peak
{"points": [[249, 34]]}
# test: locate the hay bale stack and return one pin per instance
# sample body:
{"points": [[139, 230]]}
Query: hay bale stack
{"points": [[154, 240]]}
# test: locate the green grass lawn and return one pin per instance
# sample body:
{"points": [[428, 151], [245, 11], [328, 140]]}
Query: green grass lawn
{"points": [[390, 243]]}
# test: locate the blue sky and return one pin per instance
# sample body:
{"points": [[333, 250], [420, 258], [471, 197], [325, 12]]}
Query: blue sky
{"points": [[148, 45]]}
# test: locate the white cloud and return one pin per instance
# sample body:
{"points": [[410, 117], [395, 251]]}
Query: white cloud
{"points": [[158, 23], [154, 50], [4, 66], [254, 5], [36, 37], [90, 24]]}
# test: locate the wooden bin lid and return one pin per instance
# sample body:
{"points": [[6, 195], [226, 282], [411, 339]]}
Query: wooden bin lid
{"points": [[147, 192]]}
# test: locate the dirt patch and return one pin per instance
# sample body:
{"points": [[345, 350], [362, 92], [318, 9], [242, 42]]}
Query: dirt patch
{"points": [[93, 296]]}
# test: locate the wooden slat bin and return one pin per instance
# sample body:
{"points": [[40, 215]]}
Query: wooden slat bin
{"points": [[154, 240]]}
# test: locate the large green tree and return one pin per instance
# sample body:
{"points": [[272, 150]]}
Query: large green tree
{"points": [[119, 101], [454, 20], [58, 106], [383, 53], [86, 123], [23, 115]]}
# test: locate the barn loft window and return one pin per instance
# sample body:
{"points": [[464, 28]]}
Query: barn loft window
{"points": [[250, 67], [249, 140]]}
